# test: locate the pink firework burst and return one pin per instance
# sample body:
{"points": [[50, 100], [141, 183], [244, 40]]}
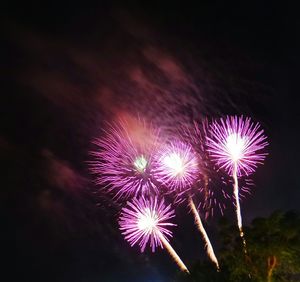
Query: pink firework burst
{"points": [[237, 141], [144, 221], [176, 166], [213, 187], [123, 158], [236, 145]]}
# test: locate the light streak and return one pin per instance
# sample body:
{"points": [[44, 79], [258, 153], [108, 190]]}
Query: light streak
{"points": [[208, 245], [179, 168], [236, 145], [146, 220]]}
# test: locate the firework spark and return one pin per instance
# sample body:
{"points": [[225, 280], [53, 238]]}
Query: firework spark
{"points": [[178, 169], [236, 145], [146, 221], [237, 141], [176, 166], [122, 161]]}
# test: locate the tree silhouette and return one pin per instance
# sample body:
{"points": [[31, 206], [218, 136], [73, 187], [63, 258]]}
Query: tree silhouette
{"points": [[273, 252]]}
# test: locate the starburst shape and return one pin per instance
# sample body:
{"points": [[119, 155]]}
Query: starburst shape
{"points": [[176, 166], [146, 220], [237, 141], [122, 159]]}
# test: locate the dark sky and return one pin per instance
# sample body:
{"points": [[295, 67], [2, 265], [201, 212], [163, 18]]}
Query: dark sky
{"points": [[67, 67]]}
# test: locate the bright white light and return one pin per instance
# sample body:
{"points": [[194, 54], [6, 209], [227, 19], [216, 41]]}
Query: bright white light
{"points": [[235, 145], [140, 163], [147, 221], [174, 163]]}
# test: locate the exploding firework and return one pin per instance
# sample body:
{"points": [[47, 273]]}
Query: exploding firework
{"points": [[176, 166], [146, 221], [236, 145], [123, 157], [178, 170]]}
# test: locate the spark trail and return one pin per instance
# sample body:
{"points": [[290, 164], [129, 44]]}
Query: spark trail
{"points": [[238, 206], [208, 245], [236, 145], [172, 252], [145, 220], [178, 169]]}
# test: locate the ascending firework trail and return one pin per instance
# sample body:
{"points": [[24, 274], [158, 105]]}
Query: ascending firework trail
{"points": [[235, 145], [177, 168], [145, 220]]}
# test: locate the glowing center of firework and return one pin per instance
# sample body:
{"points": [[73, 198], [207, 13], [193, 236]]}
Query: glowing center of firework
{"points": [[174, 163], [140, 163], [235, 145], [147, 221]]}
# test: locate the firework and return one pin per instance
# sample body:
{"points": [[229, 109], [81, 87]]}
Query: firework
{"points": [[178, 169], [236, 145], [176, 166], [146, 221], [123, 157]]}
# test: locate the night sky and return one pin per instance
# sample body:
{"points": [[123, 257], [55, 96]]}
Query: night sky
{"points": [[67, 68]]}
